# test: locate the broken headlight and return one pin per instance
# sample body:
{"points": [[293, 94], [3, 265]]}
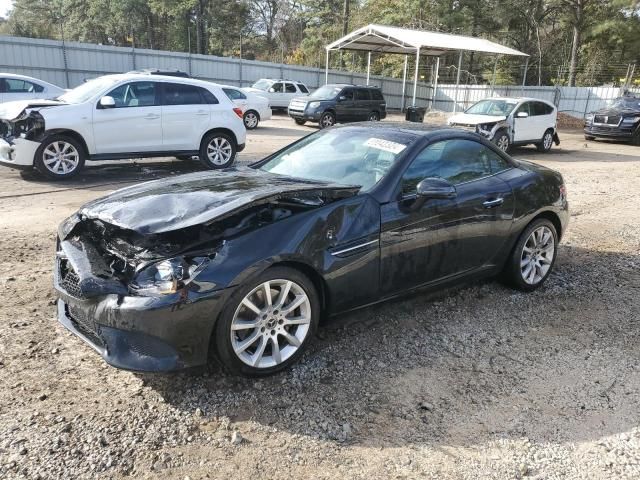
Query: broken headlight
{"points": [[168, 276]]}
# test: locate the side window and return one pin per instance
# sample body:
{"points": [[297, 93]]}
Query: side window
{"points": [[276, 87], [347, 93], [455, 160], [14, 85], [376, 94], [523, 108], [234, 94], [181, 94], [362, 94], [2, 86], [209, 97], [302, 88], [135, 94], [291, 88]]}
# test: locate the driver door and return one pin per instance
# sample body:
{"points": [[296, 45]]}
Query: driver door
{"points": [[345, 105], [442, 238]]}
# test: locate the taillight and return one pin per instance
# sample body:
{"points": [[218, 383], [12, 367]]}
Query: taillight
{"points": [[238, 111], [563, 191]]}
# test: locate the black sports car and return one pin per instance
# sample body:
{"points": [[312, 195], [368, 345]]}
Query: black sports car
{"points": [[619, 121], [243, 263]]}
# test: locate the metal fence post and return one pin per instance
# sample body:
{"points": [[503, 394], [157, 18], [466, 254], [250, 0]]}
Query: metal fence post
{"points": [[66, 65]]}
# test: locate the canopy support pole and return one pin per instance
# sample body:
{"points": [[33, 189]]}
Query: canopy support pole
{"points": [[326, 68], [368, 66], [415, 76], [404, 81], [493, 76], [435, 83], [455, 100], [524, 75]]}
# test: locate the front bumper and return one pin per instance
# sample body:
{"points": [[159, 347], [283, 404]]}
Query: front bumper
{"points": [[615, 132], [148, 334], [18, 153], [307, 114]]}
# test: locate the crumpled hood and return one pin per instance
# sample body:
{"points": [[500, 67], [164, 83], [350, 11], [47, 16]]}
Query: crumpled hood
{"points": [[198, 198], [12, 110], [469, 119]]}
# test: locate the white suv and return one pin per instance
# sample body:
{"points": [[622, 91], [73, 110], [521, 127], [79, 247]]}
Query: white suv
{"points": [[512, 121], [278, 92], [122, 116]]}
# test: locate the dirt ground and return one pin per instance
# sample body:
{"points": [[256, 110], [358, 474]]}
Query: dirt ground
{"points": [[480, 382]]}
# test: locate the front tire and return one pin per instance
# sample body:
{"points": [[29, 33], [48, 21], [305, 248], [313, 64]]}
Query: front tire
{"points": [[328, 119], [299, 121], [251, 119], [59, 157], [533, 256], [267, 323], [502, 141], [218, 150], [546, 142]]}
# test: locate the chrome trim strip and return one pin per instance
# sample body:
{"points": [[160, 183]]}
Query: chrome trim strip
{"points": [[345, 250]]}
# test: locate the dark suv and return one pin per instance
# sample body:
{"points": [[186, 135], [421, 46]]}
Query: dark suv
{"points": [[339, 103], [619, 121]]}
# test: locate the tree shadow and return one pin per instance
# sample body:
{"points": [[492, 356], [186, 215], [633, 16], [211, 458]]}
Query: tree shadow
{"points": [[461, 367]]}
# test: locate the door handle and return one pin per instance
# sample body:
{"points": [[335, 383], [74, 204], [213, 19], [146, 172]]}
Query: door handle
{"points": [[493, 203], [151, 116], [202, 112]]}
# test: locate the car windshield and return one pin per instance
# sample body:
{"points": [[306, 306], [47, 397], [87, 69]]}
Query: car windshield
{"points": [[262, 85], [492, 107], [348, 156], [626, 103], [326, 92], [87, 90]]}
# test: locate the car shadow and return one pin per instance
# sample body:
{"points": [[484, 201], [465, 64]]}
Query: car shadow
{"points": [[463, 367]]}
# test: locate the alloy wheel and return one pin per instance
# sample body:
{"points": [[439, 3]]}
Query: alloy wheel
{"points": [[219, 151], [547, 140], [327, 120], [503, 143], [271, 323], [250, 120], [373, 117], [537, 255], [60, 158]]}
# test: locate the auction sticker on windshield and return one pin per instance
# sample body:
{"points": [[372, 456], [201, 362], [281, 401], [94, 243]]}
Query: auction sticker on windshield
{"points": [[385, 145]]}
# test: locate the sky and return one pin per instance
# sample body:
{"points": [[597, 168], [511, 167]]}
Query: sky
{"points": [[5, 6]]}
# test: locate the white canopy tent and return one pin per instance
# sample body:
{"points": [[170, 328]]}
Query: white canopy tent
{"points": [[383, 39]]}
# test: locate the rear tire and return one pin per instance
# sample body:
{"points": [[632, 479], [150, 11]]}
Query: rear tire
{"points": [[374, 117], [217, 150], [59, 157], [253, 336], [546, 142], [299, 121], [533, 256]]}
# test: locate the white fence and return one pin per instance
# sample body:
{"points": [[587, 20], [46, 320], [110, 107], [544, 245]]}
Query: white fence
{"points": [[69, 64]]}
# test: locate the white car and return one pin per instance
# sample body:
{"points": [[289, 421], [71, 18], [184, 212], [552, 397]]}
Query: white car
{"points": [[278, 92], [512, 121], [255, 108], [118, 117], [20, 87]]}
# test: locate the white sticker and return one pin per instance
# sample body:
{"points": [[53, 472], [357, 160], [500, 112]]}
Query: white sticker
{"points": [[385, 145]]}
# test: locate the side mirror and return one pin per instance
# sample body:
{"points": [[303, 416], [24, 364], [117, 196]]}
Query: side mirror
{"points": [[342, 98], [107, 102], [522, 115], [435, 187], [272, 90]]}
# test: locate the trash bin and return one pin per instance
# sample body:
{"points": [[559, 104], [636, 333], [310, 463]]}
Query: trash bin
{"points": [[415, 114]]}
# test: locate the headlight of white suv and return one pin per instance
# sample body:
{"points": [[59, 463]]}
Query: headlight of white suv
{"points": [[167, 276]]}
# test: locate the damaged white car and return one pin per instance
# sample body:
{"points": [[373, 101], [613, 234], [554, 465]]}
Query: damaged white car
{"points": [[512, 121], [119, 117]]}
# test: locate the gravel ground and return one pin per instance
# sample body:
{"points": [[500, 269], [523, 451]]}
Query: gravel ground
{"points": [[475, 382]]}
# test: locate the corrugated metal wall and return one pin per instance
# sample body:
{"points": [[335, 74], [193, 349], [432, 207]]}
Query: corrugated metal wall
{"points": [[70, 64]]}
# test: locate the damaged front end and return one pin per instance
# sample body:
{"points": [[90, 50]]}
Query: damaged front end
{"points": [[143, 285], [489, 130], [20, 138]]}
